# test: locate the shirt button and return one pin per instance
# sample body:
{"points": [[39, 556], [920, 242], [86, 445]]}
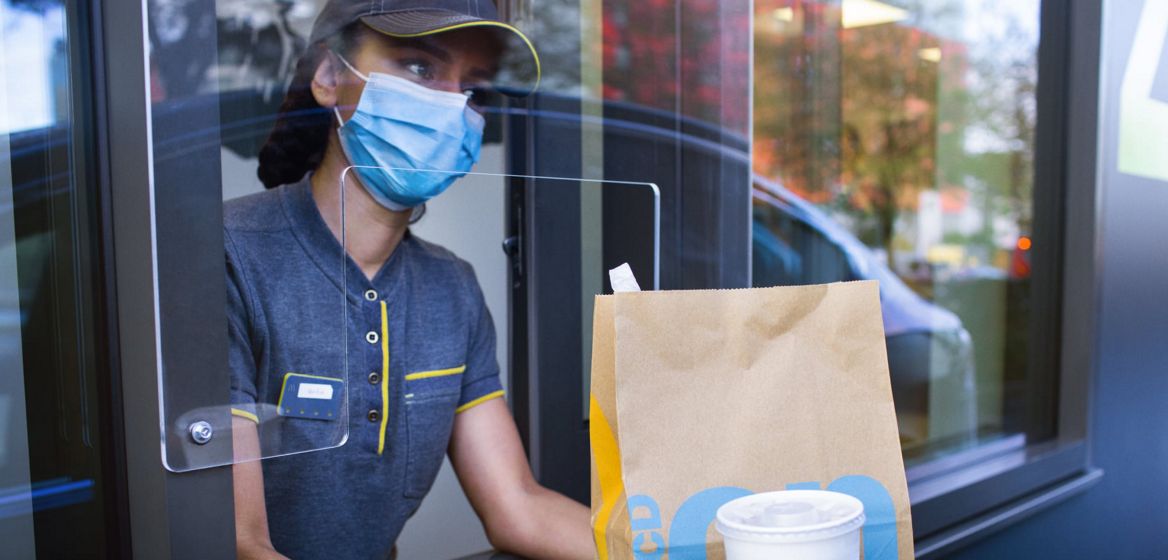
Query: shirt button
{"points": [[371, 295], [371, 337], [373, 416], [374, 378]]}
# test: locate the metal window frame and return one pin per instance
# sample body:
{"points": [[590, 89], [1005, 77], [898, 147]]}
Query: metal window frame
{"points": [[188, 515], [545, 287], [98, 417], [91, 45]]}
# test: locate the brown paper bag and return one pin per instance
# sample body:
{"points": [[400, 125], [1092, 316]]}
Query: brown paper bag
{"points": [[699, 397]]}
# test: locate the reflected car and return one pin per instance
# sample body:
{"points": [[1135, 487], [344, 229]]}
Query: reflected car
{"points": [[930, 353]]}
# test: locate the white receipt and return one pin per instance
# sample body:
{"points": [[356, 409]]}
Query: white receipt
{"points": [[622, 279]]}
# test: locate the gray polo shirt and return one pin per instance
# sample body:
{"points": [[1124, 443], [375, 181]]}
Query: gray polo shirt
{"points": [[419, 345]]}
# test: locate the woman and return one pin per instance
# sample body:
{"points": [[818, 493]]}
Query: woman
{"points": [[393, 84]]}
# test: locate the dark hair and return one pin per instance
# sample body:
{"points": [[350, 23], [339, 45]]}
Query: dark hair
{"points": [[299, 137]]}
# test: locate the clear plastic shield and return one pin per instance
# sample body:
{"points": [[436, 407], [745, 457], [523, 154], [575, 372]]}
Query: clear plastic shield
{"points": [[479, 212], [486, 219], [263, 372], [340, 332]]}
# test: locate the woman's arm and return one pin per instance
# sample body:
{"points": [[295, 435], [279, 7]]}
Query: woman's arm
{"points": [[252, 540], [520, 516]]}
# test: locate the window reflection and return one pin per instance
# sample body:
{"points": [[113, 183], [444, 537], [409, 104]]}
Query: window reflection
{"points": [[35, 50], [902, 133], [258, 44], [792, 247], [659, 55], [51, 478]]}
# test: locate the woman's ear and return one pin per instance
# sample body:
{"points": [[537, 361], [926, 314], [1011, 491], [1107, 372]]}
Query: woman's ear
{"points": [[324, 82]]}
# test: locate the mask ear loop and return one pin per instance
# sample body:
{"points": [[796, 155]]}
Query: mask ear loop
{"points": [[350, 67], [337, 112]]}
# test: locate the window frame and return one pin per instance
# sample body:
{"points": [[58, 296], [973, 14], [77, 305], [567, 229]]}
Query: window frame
{"points": [[954, 501], [171, 515], [951, 508], [74, 207]]}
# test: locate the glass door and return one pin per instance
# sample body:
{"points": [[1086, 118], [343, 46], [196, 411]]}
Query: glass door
{"points": [[55, 388]]}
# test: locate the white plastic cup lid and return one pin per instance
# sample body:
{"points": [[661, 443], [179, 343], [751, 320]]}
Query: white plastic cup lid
{"points": [[790, 516]]}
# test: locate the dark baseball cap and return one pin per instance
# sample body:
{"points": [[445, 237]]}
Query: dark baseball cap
{"points": [[415, 18]]}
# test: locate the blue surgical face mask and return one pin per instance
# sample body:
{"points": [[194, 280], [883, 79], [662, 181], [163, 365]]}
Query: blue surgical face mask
{"points": [[404, 129]]}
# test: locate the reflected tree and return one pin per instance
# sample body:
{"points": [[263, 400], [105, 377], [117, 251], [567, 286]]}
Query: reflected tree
{"points": [[889, 122], [863, 119]]}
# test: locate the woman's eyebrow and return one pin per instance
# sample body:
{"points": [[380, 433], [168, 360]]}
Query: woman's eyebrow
{"points": [[480, 73], [429, 48]]}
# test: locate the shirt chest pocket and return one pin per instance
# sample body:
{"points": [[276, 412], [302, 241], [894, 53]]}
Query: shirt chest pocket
{"points": [[431, 398]]}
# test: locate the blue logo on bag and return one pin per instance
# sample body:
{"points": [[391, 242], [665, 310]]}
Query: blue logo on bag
{"points": [[691, 523]]}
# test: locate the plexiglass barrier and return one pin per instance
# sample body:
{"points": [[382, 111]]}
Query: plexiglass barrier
{"points": [[440, 304], [348, 323], [282, 337]]}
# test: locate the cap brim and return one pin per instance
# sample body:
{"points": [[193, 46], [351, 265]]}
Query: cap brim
{"points": [[421, 23]]}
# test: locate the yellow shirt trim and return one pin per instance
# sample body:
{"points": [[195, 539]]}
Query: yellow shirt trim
{"points": [[436, 373], [245, 414], [478, 401], [384, 377]]}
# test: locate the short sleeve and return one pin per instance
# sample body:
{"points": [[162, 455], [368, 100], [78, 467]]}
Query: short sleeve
{"points": [[480, 382], [240, 357]]}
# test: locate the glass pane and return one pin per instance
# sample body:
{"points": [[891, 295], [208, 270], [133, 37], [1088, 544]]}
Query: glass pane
{"points": [[894, 140], [656, 92], [52, 352], [232, 390], [287, 336], [464, 228], [290, 337], [236, 118]]}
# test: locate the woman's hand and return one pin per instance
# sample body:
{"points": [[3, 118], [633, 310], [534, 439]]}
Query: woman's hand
{"points": [[257, 552], [520, 516], [252, 540]]}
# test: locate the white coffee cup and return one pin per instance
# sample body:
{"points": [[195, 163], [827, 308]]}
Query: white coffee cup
{"points": [[792, 525]]}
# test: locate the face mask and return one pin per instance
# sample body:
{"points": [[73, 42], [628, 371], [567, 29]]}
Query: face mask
{"points": [[405, 128]]}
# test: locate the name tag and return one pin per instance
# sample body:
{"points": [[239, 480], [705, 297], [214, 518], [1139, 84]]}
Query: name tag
{"points": [[314, 391], [310, 396]]}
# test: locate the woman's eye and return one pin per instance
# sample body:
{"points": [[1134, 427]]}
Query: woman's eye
{"points": [[477, 96], [420, 69]]}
